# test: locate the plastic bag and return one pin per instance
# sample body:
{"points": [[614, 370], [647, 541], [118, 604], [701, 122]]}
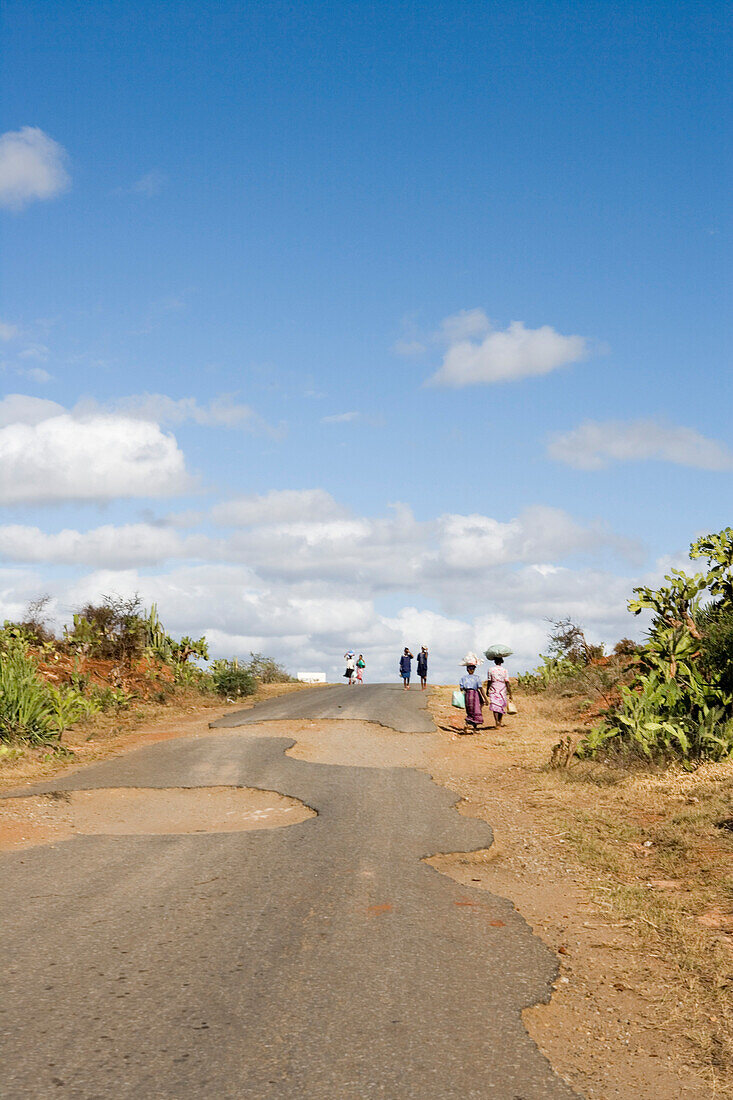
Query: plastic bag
{"points": [[458, 700]]}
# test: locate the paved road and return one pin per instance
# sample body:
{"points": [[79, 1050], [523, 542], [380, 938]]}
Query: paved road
{"points": [[320, 961], [388, 704]]}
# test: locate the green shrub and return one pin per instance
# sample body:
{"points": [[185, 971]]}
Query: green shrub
{"points": [[232, 679]]}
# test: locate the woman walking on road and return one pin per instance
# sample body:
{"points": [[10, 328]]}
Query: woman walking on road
{"points": [[350, 667], [422, 667], [499, 690], [360, 666], [406, 668], [473, 693]]}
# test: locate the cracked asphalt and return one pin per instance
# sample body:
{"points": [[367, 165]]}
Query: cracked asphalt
{"points": [[321, 960]]}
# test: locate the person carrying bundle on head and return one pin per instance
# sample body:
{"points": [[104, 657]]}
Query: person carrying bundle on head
{"points": [[473, 692]]}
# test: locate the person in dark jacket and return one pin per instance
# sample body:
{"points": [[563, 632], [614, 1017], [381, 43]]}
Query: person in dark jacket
{"points": [[406, 668], [422, 667]]}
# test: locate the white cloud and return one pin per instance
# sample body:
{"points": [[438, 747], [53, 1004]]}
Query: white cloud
{"points": [[100, 458], [18, 408], [300, 577], [312, 624], [594, 445], [476, 356], [467, 324], [277, 506], [340, 418], [32, 166], [110, 547], [221, 412], [8, 331]]}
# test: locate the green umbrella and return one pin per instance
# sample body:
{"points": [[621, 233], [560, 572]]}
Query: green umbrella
{"points": [[498, 651]]}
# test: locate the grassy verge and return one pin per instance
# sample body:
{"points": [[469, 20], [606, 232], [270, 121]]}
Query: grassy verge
{"points": [[108, 734]]}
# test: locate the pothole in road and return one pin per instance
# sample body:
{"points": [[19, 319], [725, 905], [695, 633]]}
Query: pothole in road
{"points": [[144, 811]]}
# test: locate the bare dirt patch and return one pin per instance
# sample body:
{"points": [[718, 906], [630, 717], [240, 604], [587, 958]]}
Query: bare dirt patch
{"points": [[144, 811]]}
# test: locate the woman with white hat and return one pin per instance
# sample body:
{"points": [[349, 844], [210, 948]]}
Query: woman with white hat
{"points": [[350, 666], [473, 694]]}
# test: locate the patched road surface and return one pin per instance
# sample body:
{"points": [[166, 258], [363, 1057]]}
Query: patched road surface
{"points": [[318, 960]]}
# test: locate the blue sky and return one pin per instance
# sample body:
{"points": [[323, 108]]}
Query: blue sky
{"points": [[305, 214]]}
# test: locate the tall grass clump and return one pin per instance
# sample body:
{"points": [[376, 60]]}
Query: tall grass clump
{"points": [[30, 709]]}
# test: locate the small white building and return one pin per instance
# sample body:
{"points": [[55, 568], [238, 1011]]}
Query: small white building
{"points": [[312, 677]]}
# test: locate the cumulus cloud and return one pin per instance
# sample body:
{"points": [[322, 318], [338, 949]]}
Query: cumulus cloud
{"points": [[309, 625], [277, 506], [295, 574], [19, 408], [477, 354], [306, 537], [595, 445], [100, 458], [32, 167], [110, 547]]}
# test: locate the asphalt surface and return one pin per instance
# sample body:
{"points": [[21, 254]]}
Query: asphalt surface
{"points": [[320, 961], [388, 704]]}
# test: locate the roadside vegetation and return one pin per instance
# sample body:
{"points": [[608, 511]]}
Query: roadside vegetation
{"points": [[113, 656], [668, 699]]}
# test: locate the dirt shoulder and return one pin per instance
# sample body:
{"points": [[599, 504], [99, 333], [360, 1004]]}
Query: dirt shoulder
{"points": [[628, 878]]}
